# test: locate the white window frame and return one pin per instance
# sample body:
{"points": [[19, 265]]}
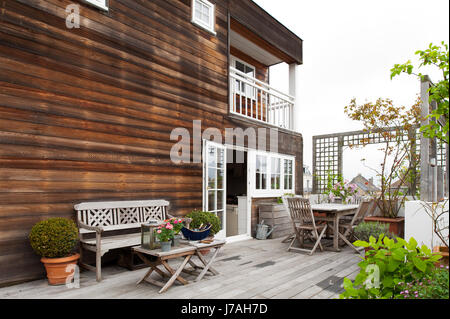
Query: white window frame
{"points": [[212, 18], [248, 89], [268, 192], [101, 4]]}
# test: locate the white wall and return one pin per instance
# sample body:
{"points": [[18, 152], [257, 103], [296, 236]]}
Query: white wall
{"points": [[418, 224]]}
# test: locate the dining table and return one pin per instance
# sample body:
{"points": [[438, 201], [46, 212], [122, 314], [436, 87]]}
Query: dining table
{"points": [[333, 213]]}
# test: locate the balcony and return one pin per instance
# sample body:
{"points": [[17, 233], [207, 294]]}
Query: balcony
{"points": [[257, 100]]}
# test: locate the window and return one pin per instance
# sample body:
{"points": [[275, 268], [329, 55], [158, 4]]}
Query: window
{"points": [[203, 14], [249, 70], [275, 175], [288, 174], [261, 172]]}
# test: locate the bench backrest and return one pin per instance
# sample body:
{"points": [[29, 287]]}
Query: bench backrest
{"points": [[121, 214]]}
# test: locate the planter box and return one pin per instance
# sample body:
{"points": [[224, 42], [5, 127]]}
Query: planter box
{"points": [[275, 214], [443, 250], [396, 225]]}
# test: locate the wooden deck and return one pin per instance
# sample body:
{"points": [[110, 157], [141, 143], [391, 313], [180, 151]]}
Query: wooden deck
{"points": [[249, 269]]}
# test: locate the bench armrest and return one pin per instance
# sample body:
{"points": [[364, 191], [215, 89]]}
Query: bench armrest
{"points": [[98, 230]]}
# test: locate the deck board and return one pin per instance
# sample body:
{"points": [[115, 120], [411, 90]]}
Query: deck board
{"points": [[249, 269]]}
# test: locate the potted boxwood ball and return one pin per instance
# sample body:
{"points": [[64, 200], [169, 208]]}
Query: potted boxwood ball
{"points": [[54, 240]]}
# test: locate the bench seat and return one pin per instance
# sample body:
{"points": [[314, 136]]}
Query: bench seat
{"points": [[114, 242]]}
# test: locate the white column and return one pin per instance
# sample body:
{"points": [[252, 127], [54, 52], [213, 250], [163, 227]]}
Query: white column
{"points": [[293, 91]]}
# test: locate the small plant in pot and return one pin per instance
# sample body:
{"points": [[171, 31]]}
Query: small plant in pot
{"points": [[165, 234], [177, 224], [54, 240]]}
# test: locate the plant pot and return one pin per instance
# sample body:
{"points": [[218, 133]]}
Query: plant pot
{"points": [[176, 240], [443, 251], [57, 272], [166, 246], [396, 225]]}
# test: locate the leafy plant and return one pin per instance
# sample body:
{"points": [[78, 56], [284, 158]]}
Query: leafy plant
{"points": [[395, 128], [437, 56], [388, 264], [433, 286], [198, 218], [165, 232], [365, 230], [54, 237]]}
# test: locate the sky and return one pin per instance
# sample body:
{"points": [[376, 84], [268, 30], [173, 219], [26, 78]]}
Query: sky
{"points": [[348, 50]]}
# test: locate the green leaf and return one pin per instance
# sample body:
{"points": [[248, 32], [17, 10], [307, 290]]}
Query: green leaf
{"points": [[398, 254], [360, 243], [412, 244], [420, 264]]}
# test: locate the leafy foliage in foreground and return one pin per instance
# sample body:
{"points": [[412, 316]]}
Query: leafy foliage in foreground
{"points": [[387, 265]]}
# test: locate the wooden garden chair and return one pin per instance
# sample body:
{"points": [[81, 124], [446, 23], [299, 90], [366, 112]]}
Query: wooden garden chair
{"points": [[348, 226], [303, 222]]}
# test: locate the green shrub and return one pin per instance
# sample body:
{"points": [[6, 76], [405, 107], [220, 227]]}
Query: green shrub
{"points": [[388, 264], [54, 237], [366, 229], [199, 217], [433, 286]]}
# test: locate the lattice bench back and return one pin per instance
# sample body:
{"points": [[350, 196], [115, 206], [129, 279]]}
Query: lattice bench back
{"points": [[121, 214]]}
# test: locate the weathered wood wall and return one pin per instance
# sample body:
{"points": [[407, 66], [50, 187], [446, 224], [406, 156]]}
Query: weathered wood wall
{"points": [[86, 114]]}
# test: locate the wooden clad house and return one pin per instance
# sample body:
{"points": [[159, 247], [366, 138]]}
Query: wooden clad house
{"points": [[87, 111]]}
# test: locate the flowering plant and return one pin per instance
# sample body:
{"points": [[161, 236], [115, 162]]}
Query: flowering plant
{"points": [[165, 232], [433, 286], [343, 190], [177, 224]]}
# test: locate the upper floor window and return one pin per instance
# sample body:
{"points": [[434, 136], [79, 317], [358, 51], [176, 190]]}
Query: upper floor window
{"points": [[203, 14]]}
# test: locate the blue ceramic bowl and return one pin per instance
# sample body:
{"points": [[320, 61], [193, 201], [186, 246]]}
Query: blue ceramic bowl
{"points": [[195, 235]]}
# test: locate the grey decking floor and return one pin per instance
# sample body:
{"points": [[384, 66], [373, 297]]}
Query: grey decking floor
{"points": [[249, 269]]}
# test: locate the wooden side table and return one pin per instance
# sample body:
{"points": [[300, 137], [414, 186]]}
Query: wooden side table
{"points": [[207, 265], [156, 258]]}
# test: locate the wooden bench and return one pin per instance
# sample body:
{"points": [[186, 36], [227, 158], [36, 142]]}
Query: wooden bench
{"points": [[103, 218]]}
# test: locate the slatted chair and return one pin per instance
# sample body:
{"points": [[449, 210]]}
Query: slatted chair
{"points": [[104, 218], [303, 222], [346, 227]]}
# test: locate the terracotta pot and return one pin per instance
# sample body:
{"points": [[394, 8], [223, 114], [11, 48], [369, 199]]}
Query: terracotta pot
{"points": [[443, 251], [56, 268], [396, 225]]}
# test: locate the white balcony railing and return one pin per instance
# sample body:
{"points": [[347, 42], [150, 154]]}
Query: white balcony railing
{"points": [[257, 100]]}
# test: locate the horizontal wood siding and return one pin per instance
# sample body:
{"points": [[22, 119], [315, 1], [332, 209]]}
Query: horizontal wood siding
{"points": [[86, 114]]}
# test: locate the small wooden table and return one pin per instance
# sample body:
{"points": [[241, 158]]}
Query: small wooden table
{"points": [[206, 268], [334, 212], [155, 258], [187, 249]]}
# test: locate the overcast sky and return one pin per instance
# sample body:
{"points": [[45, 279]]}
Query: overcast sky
{"points": [[349, 48]]}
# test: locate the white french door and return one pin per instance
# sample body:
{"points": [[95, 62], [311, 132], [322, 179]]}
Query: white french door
{"points": [[214, 181]]}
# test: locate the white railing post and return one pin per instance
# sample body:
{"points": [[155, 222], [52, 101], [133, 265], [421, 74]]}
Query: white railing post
{"points": [[293, 91]]}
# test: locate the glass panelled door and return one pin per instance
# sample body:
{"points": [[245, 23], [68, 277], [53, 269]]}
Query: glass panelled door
{"points": [[214, 181]]}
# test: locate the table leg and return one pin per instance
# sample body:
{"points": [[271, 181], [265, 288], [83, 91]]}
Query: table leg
{"points": [[176, 274], [336, 232], [207, 265]]}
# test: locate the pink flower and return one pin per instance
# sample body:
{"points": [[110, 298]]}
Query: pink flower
{"points": [[169, 226], [175, 221], [159, 231]]}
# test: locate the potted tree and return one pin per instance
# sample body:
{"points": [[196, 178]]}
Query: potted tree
{"points": [[393, 127], [54, 240]]}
